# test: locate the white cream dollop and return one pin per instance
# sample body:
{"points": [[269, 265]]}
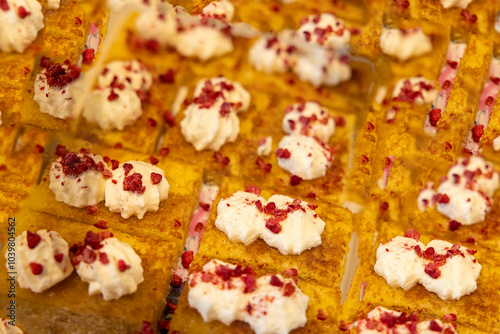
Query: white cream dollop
{"points": [[78, 190], [267, 308], [55, 101], [458, 275], [6, 328], [470, 185], [244, 217], [309, 119], [112, 112], [325, 29], [372, 324], [43, 266], [421, 87], [212, 120], [455, 3], [191, 36], [265, 146], [17, 33], [114, 274], [404, 44], [309, 157], [144, 191], [221, 9], [54, 4], [496, 143], [446, 269], [398, 262]]}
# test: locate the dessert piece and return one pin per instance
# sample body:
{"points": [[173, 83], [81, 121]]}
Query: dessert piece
{"points": [[67, 306], [41, 260], [169, 222], [368, 289], [320, 312], [323, 263]]}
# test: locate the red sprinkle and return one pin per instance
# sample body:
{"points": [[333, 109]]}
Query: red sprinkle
{"points": [[434, 326], [321, 315], [176, 281], [78, 21], [153, 160], [477, 132], [275, 281], [187, 258], [88, 56], [253, 189], [224, 161], [266, 168], [58, 257], [115, 164], [289, 290], [101, 224], [291, 272], [122, 266], [164, 151], [4, 5], [151, 123], [92, 209], [283, 153], [454, 225], [156, 178], [112, 96], [441, 198], [450, 317], [147, 328], [36, 268], [33, 239], [22, 12], [205, 206], [168, 77], [133, 183], [295, 180], [169, 118], [412, 234], [467, 16], [434, 116], [384, 206], [432, 270], [103, 258]]}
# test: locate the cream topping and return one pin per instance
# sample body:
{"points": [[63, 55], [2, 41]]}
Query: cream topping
{"points": [[54, 4], [78, 179], [42, 260], [136, 188], [53, 100], [211, 120], [446, 269], [417, 90], [404, 44], [227, 292], [7, 328], [325, 30], [19, 24], [309, 119], [265, 146], [289, 225], [466, 195], [305, 156], [221, 9], [455, 3], [111, 268]]}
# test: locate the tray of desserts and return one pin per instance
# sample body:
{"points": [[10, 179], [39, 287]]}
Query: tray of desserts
{"points": [[249, 166]]}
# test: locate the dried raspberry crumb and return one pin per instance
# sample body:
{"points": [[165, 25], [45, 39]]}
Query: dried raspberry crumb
{"points": [[295, 180], [92, 209], [403, 4], [250, 281], [58, 257], [78, 21], [291, 272], [452, 64], [153, 160], [168, 77], [266, 168], [441, 198], [88, 56], [164, 151], [432, 270], [384, 206], [370, 127], [205, 206], [434, 116], [471, 240], [355, 31], [253, 189], [103, 258], [321, 315], [223, 161], [153, 45], [122, 266], [339, 121], [4, 5], [118, 145], [26, 71], [127, 167], [165, 324], [39, 149], [187, 258], [471, 251], [467, 16], [112, 96], [22, 12], [434, 326], [151, 123], [115, 164], [454, 225], [275, 281], [33, 239], [283, 153], [450, 317], [176, 281], [36, 268], [289, 290], [477, 132], [412, 234], [101, 224], [3, 168], [343, 326], [156, 178], [133, 183], [177, 223], [417, 249], [169, 118], [311, 195], [447, 146]]}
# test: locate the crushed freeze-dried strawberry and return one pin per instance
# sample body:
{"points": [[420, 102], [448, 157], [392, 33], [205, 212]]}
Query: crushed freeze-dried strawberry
{"points": [[156, 178], [133, 183], [412, 234], [289, 289], [92, 209], [36, 268], [275, 281], [101, 224], [122, 266], [477, 132], [33, 239], [434, 116], [187, 258], [266, 168], [283, 153], [253, 189], [295, 180], [321, 315], [167, 77], [453, 225], [223, 161]]}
